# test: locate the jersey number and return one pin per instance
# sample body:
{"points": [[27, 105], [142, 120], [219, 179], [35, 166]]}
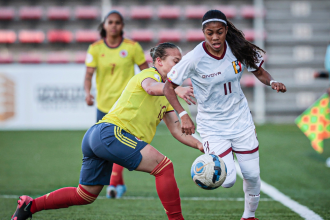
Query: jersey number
{"points": [[113, 67], [225, 87]]}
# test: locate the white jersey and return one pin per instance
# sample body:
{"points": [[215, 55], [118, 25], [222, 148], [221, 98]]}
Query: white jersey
{"points": [[222, 107]]}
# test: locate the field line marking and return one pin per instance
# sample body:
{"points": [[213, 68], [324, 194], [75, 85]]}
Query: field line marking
{"points": [[275, 194], [156, 198]]}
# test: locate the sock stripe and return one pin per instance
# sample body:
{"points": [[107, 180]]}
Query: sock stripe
{"points": [[158, 166], [84, 197], [169, 162]]}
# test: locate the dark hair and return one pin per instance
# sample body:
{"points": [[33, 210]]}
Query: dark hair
{"points": [[103, 33], [245, 51], [160, 50]]}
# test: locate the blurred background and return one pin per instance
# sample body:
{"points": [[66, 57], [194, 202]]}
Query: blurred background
{"points": [[43, 46]]}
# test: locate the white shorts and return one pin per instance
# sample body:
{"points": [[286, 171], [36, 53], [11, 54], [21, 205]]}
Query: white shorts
{"points": [[246, 144]]}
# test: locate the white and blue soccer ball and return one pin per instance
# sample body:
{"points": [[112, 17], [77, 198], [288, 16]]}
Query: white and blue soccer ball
{"points": [[208, 171]]}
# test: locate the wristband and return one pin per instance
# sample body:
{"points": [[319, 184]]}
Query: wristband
{"points": [[272, 81], [182, 114]]}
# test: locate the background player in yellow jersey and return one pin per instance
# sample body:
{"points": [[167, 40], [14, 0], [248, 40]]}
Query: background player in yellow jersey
{"points": [[113, 57], [123, 136]]}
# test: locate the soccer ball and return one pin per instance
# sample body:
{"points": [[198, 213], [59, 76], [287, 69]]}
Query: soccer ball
{"points": [[208, 171]]}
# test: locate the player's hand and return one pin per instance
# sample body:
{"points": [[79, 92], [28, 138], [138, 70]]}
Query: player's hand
{"points": [[89, 99], [187, 125], [200, 147], [186, 93], [279, 87]]}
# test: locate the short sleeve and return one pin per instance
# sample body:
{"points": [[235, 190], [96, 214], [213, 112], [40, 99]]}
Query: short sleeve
{"points": [[148, 74], [182, 70], [91, 57], [138, 56], [258, 64], [169, 109]]}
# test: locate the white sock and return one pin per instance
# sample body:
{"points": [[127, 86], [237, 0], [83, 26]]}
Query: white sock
{"points": [[251, 184]]}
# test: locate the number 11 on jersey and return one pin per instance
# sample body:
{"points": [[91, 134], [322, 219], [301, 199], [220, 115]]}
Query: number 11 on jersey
{"points": [[225, 87]]}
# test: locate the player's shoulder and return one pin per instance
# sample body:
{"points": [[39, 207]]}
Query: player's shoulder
{"points": [[97, 43], [149, 73], [129, 42]]}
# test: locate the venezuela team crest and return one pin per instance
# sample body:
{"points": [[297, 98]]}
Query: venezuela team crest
{"points": [[237, 66]]}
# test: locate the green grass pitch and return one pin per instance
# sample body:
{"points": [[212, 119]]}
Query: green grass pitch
{"points": [[37, 162]]}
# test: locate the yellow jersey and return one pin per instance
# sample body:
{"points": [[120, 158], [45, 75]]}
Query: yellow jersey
{"points": [[136, 111], [114, 68]]}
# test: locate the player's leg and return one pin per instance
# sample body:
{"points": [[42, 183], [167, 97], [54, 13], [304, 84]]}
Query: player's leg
{"points": [[161, 167], [116, 188], [246, 149], [222, 148], [84, 194]]}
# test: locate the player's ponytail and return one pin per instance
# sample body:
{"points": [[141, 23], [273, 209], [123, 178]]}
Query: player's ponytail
{"points": [[160, 50], [101, 29], [245, 51]]}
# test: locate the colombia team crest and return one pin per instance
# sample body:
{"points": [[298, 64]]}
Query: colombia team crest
{"points": [[237, 66], [123, 53]]}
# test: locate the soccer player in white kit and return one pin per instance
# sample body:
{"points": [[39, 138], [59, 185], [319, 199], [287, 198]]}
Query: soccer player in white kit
{"points": [[224, 120]]}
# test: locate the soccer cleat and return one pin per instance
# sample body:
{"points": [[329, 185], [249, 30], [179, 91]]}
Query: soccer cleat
{"points": [[121, 189], [111, 192], [251, 218], [23, 208]]}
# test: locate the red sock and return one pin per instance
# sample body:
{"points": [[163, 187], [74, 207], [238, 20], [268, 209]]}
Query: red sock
{"points": [[167, 189], [117, 175], [63, 198]]}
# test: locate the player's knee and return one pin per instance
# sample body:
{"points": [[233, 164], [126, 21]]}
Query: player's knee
{"points": [[252, 176], [165, 165], [229, 182]]}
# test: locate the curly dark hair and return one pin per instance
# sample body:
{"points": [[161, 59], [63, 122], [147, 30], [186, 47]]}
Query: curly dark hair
{"points": [[245, 51]]}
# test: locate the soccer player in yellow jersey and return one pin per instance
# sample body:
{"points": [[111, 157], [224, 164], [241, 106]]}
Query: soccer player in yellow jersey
{"points": [[123, 136], [113, 58]]}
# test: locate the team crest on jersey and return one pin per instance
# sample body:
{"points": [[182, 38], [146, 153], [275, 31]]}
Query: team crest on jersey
{"points": [[237, 66], [123, 53], [157, 77], [173, 74]]}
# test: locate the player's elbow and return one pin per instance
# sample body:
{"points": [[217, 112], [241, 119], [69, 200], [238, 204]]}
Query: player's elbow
{"points": [[150, 91]]}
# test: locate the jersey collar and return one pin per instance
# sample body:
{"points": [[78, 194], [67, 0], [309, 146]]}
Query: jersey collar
{"points": [[158, 73], [105, 42], [211, 55]]}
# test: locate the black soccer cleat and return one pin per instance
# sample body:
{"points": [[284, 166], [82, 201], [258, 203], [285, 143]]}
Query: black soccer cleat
{"points": [[23, 210]]}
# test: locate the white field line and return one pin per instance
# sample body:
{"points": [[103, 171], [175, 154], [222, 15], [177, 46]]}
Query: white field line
{"points": [[156, 198], [275, 194]]}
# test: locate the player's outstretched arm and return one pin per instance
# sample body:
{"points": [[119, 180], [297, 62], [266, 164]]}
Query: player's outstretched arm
{"points": [[173, 124], [187, 125], [266, 79], [154, 88]]}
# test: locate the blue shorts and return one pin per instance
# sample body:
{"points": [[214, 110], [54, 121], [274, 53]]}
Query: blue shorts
{"points": [[99, 115], [103, 145]]}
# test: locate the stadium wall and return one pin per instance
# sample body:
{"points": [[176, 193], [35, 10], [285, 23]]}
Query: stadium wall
{"points": [[44, 97]]}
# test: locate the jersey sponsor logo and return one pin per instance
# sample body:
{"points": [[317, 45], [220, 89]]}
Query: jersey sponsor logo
{"points": [[173, 74], [89, 58], [211, 75], [157, 77], [237, 66], [123, 53]]}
